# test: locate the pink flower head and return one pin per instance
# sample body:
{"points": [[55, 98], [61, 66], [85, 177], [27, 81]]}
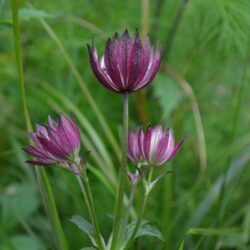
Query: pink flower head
{"points": [[55, 143], [126, 65], [154, 146]]}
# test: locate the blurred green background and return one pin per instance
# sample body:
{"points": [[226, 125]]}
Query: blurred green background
{"points": [[202, 91]]}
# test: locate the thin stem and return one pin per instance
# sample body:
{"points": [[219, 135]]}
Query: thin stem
{"points": [[130, 202], [139, 220], [42, 178], [123, 173], [140, 215], [85, 189], [18, 50]]}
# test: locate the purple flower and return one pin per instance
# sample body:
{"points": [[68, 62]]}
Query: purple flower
{"points": [[127, 65], [134, 153], [55, 143], [154, 146]]}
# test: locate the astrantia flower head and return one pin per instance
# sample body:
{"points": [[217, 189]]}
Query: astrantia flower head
{"points": [[127, 64], [155, 146], [56, 143]]}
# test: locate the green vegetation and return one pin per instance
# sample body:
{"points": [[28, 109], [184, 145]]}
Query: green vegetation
{"points": [[202, 91]]}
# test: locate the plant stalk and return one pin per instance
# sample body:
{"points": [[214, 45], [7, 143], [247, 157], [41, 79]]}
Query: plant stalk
{"points": [[139, 220], [86, 191], [123, 173], [42, 178], [147, 187], [130, 202]]}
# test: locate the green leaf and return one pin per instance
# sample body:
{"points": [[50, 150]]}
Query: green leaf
{"points": [[168, 93], [85, 226], [88, 248], [149, 230], [146, 229]]}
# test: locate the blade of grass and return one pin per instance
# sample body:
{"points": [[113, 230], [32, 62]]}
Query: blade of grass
{"points": [[44, 185], [199, 128], [87, 25], [208, 232]]}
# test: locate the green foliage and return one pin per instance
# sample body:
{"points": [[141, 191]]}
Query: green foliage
{"points": [[146, 229], [210, 51], [85, 226]]}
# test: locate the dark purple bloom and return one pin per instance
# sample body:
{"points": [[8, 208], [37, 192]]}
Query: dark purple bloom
{"points": [[56, 143], [154, 146], [127, 65]]}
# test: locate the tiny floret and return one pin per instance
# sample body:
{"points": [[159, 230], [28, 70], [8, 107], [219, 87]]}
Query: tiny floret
{"points": [[127, 64], [58, 142]]}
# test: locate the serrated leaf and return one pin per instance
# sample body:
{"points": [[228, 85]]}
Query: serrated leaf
{"points": [[85, 226]]}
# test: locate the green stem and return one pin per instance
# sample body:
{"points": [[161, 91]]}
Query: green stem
{"points": [[92, 207], [123, 173], [43, 182], [130, 202], [86, 191], [139, 220], [140, 215]]}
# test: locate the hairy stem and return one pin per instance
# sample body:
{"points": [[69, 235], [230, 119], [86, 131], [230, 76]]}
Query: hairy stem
{"points": [[123, 173], [42, 178]]}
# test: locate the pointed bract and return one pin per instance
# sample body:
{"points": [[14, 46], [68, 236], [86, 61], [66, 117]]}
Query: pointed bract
{"points": [[126, 65]]}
